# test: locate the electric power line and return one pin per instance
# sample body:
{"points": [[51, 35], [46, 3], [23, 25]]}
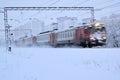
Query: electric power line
{"points": [[55, 2], [118, 11], [105, 2], [81, 3], [48, 6], [110, 6]]}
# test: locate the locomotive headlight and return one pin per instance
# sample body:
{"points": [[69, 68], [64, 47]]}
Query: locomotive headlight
{"points": [[97, 24], [92, 38], [104, 37]]}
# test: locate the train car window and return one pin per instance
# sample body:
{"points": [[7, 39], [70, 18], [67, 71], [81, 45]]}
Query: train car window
{"points": [[69, 34], [45, 37], [65, 35], [59, 35], [62, 35]]}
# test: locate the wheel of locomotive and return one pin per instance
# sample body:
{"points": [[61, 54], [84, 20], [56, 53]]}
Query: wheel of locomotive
{"points": [[83, 45], [55, 45], [89, 45]]}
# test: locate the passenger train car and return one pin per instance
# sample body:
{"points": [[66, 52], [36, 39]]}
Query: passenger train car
{"points": [[85, 36]]}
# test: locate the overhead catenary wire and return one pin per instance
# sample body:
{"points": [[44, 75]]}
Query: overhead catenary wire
{"points": [[106, 7], [109, 6], [104, 2], [60, 0], [78, 4], [48, 6], [117, 12], [47, 2], [54, 2], [81, 3]]}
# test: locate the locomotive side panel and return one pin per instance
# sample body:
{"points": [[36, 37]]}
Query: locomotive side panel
{"points": [[65, 37]]}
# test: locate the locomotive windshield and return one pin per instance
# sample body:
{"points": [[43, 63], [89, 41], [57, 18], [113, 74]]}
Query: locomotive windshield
{"points": [[97, 27], [101, 29], [93, 30]]}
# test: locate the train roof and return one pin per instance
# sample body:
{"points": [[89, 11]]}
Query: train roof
{"points": [[44, 32], [56, 30], [71, 29]]}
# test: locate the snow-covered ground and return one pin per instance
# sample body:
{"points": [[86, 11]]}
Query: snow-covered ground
{"points": [[60, 64]]}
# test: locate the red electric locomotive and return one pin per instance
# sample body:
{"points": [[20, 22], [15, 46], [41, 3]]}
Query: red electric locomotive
{"points": [[94, 35]]}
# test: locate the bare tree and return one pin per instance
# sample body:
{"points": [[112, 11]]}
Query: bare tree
{"points": [[112, 24]]}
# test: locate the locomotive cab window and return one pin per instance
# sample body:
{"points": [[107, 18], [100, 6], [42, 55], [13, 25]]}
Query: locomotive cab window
{"points": [[86, 31], [102, 29]]}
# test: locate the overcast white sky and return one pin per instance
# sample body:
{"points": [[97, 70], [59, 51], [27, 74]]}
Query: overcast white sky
{"points": [[21, 17]]}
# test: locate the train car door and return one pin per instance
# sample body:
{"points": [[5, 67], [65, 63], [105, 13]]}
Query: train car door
{"points": [[53, 39]]}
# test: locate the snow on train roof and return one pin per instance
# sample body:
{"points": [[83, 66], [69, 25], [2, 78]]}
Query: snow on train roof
{"points": [[57, 31]]}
